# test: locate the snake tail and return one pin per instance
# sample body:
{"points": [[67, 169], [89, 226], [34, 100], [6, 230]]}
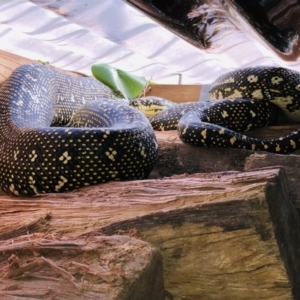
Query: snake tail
{"points": [[194, 127]]}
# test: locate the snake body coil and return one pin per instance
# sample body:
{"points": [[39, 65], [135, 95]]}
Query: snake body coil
{"points": [[36, 158], [247, 99]]}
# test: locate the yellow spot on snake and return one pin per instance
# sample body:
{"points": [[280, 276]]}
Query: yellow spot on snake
{"points": [[65, 157], [257, 94], [232, 140], [113, 173], [111, 154], [229, 80], [225, 114], [60, 183], [33, 156], [236, 94], [16, 154], [276, 80], [142, 150], [285, 100], [297, 87], [222, 131], [253, 114], [13, 190], [274, 91], [33, 188], [161, 127], [277, 148], [293, 144], [253, 146], [185, 129], [252, 78], [203, 133], [31, 180]]}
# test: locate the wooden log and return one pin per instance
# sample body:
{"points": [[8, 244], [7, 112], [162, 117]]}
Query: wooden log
{"points": [[290, 163], [176, 157], [222, 235], [47, 266]]}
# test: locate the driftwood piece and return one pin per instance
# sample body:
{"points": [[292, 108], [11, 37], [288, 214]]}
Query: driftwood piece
{"points": [[43, 266], [222, 235]]}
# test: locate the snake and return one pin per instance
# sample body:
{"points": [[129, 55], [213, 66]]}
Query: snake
{"points": [[240, 100], [59, 133]]}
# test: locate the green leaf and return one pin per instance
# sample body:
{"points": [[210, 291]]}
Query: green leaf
{"points": [[43, 62], [129, 85]]}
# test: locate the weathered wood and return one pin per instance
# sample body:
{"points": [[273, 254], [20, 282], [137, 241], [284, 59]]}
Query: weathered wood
{"points": [[222, 235], [176, 157], [177, 93], [290, 163], [56, 267]]}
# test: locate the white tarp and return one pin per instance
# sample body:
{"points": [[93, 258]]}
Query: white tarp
{"points": [[74, 34]]}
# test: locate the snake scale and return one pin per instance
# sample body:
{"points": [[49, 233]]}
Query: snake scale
{"points": [[59, 133], [38, 155]]}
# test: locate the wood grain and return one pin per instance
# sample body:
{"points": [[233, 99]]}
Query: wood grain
{"points": [[58, 267], [222, 235]]}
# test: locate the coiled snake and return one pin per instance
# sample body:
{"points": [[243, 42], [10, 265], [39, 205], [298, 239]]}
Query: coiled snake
{"points": [[117, 142], [252, 98], [36, 158]]}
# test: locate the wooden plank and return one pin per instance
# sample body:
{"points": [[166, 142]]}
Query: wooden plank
{"points": [[176, 93], [230, 230]]}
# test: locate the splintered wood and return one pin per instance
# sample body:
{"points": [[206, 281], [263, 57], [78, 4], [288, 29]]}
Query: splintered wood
{"points": [[109, 268], [225, 235]]}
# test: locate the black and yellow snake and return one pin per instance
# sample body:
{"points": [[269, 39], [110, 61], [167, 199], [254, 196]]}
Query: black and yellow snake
{"points": [[109, 140], [37, 155], [248, 99]]}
